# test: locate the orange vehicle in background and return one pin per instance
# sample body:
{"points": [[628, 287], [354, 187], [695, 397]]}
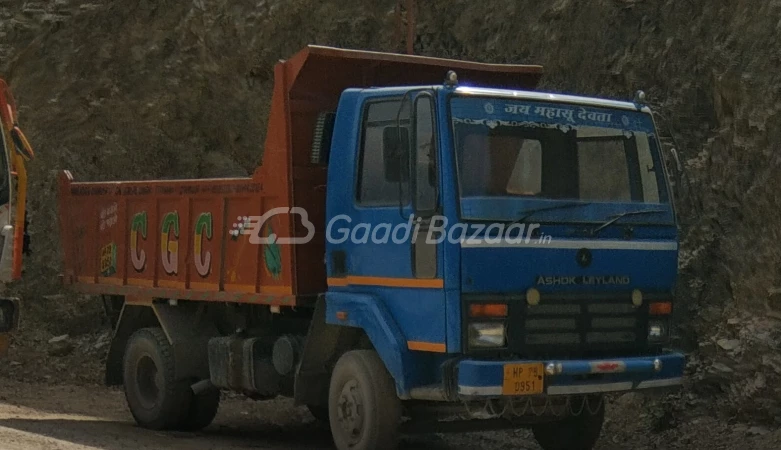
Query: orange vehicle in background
{"points": [[14, 152]]}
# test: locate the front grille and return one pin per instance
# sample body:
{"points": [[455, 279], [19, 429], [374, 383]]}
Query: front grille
{"points": [[577, 326]]}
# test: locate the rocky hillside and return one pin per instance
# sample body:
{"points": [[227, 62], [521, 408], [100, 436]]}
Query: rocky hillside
{"points": [[174, 88]]}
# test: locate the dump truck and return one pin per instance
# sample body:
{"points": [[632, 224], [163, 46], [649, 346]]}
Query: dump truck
{"points": [[428, 245], [15, 150]]}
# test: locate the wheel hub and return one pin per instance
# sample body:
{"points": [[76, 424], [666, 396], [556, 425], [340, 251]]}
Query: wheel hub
{"points": [[350, 411], [149, 381]]}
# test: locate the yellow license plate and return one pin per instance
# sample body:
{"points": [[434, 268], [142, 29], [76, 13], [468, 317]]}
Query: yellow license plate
{"points": [[523, 379]]}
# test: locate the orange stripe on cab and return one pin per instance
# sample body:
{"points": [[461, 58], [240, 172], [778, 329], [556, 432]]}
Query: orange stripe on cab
{"points": [[432, 347], [435, 283]]}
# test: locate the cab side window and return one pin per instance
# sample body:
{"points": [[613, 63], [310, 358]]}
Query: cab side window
{"points": [[383, 160]]}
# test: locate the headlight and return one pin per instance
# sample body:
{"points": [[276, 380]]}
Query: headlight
{"points": [[487, 334], [657, 330]]}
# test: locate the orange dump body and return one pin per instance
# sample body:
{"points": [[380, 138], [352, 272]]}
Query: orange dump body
{"points": [[172, 239]]}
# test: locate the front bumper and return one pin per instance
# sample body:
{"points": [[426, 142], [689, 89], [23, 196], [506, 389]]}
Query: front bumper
{"points": [[574, 377]]}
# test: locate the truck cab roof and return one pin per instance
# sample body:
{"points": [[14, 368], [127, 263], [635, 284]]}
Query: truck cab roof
{"points": [[552, 97], [518, 94]]}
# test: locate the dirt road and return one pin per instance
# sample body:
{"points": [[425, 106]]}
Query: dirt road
{"points": [[69, 417], [38, 416]]}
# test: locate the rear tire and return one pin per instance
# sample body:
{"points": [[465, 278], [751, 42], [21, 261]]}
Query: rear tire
{"points": [[156, 399], [579, 432], [364, 410]]}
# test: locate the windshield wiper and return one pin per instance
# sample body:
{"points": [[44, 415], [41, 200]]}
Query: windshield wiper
{"points": [[531, 212], [616, 217]]}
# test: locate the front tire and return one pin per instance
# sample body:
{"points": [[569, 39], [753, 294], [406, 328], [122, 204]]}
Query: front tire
{"points": [[156, 399], [364, 410], [579, 432]]}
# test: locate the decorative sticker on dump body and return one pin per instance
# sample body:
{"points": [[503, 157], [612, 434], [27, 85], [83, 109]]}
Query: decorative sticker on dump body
{"points": [[203, 231], [138, 228], [108, 260], [169, 243]]}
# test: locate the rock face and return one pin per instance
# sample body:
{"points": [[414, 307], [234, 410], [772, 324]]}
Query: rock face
{"points": [[144, 89], [22, 21]]}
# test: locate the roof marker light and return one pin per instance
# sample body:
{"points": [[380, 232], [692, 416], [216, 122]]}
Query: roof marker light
{"points": [[640, 97], [451, 79]]}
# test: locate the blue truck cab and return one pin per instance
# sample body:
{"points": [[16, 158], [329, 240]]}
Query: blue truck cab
{"points": [[509, 253]]}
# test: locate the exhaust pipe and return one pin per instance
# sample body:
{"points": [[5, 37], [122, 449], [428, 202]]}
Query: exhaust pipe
{"points": [[202, 386]]}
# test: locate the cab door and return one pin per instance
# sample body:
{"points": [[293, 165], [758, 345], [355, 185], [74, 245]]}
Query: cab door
{"points": [[386, 210]]}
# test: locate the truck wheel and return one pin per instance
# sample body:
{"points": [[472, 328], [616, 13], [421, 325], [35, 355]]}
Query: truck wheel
{"points": [[156, 399], [203, 410], [579, 432], [364, 410]]}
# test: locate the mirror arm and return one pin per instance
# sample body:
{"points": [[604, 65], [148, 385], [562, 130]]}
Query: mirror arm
{"points": [[413, 155], [406, 96], [414, 152]]}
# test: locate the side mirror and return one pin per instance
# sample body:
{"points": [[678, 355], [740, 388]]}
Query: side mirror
{"points": [[678, 165], [677, 169], [395, 154], [681, 174], [9, 314]]}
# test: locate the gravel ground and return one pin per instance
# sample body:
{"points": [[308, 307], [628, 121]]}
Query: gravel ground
{"points": [[80, 417]]}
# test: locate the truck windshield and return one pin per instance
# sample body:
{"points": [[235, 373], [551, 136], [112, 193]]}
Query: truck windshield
{"points": [[547, 151]]}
